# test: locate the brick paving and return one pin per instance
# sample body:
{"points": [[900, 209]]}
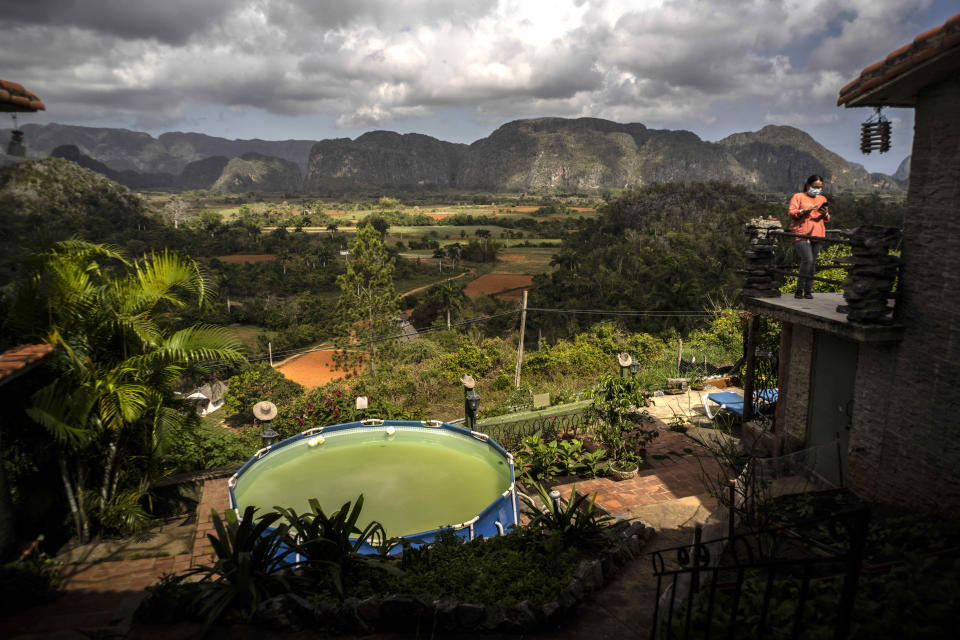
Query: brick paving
{"points": [[103, 595], [675, 467]]}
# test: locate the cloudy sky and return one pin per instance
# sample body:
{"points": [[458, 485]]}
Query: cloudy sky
{"points": [[457, 69]]}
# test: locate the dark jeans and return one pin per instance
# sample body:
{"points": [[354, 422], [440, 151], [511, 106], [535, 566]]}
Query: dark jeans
{"points": [[808, 261]]}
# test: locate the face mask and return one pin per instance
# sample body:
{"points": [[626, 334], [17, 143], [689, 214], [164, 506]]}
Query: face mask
{"points": [[814, 192]]}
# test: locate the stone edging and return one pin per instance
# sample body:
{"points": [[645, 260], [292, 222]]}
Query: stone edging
{"points": [[405, 612]]}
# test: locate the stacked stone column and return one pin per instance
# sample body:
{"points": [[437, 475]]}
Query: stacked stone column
{"points": [[760, 279], [871, 274]]}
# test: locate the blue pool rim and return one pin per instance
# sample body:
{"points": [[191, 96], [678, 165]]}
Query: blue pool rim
{"points": [[496, 519]]}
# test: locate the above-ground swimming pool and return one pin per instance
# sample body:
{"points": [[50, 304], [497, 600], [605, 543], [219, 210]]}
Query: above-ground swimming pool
{"points": [[416, 477]]}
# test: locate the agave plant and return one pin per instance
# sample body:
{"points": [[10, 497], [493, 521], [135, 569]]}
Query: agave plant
{"points": [[577, 524], [328, 544], [250, 563]]}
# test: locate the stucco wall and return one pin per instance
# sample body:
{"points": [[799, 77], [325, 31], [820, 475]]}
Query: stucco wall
{"points": [[905, 445]]}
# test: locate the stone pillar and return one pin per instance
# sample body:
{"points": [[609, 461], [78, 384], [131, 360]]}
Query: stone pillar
{"points": [[871, 274], [760, 279]]}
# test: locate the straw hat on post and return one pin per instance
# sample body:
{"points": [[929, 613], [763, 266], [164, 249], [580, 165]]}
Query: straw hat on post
{"points": [[264, 411]]}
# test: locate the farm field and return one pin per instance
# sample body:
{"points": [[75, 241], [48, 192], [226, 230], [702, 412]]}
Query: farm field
{"points": [[495, 282], [313, 369], [243, 258]]}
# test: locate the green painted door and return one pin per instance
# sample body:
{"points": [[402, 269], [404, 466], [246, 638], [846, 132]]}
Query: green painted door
{"points": [[833, 372]]}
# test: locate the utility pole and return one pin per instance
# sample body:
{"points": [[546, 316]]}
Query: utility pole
{"points": [[523, 324]]}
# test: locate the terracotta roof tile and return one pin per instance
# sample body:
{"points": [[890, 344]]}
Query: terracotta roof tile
{"points": [[928, 46], [17, 360], [13, 97]]}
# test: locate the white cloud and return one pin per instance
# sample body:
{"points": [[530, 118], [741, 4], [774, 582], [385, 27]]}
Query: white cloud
{"points": [[373, 62]]}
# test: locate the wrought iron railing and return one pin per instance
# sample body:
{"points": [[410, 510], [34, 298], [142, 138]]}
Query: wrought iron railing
{"points": [[509, 434], [742, 585], [870, 269]]}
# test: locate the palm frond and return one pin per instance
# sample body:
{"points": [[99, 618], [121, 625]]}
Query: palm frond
{"points": [[163, 277], [63, 412], [195, 344]]}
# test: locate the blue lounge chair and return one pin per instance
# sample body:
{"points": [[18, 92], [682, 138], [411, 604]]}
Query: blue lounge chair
{"points": [[763, 400]]}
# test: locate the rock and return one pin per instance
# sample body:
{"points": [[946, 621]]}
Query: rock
{"points": [[368, 611], [590, 574], [496, 619], [469, 616], [446, 612], [349, 619], [286, 612], [404, 612], [636, 528], [576, 590], [609, 562], [551, 612], [566, 601], [527, 615]]}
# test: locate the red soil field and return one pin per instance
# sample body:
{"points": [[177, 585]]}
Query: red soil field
{"points": [[493, 283], [312, 369], [253, 257]]}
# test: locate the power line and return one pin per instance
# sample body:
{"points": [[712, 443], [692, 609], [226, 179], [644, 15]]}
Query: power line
{"points": [[287, 353], [384, 338], [665, 314]]}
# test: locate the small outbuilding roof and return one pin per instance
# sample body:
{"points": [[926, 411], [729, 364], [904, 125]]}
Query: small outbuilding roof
{"points": [[14, 98], [213, 391], [15, 361], [895, 80]]}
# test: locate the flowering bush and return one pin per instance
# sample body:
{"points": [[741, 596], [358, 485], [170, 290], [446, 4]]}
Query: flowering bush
{"points": [[335, 403]]}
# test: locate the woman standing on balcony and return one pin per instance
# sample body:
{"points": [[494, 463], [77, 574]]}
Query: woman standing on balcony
{"points": [[808, 215]]}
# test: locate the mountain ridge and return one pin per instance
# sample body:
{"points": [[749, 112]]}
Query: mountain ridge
{"points": [[537, 155]]}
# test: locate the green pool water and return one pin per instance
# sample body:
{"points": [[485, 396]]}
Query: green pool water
{"points": [[412, 481]]}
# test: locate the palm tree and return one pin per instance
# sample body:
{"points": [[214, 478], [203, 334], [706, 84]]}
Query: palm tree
{"points": [[116, 360], [451, 296]]}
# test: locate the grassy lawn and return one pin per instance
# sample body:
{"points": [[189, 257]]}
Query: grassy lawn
{"points": [[247, 334]]}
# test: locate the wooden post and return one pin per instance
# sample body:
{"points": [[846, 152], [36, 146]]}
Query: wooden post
{"points": [[679, 355], [752, 327], [523, 324], [270, 352]]}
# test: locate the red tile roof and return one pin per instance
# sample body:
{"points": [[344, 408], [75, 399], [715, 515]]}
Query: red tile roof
{"points": [[15, 361], [13, 97], [895, 80]]}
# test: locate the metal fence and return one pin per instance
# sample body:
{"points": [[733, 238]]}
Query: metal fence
{"points": [[509, 434], [748, 585]]}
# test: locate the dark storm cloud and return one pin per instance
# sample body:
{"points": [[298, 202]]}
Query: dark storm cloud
{"points": [[172, 21], [335, 14]]}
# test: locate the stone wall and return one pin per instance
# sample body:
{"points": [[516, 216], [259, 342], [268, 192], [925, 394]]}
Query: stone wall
{"points": [[798, 389], [905, 447]]}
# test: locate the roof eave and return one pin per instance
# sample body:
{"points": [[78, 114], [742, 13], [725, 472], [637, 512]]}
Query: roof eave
{"points": [[901, 90]]}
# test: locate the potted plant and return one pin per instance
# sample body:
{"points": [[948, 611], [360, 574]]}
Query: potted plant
{"points": [[619, 408], [625, 466]]}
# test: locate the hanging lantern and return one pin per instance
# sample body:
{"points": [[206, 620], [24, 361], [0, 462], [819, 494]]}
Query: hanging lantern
{"points": [[15, 99], [875, 134]]}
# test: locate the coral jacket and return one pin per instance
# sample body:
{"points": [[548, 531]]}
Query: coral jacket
{"points": [[811, 224]]}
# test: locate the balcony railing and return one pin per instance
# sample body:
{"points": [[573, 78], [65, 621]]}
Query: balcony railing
{"points": [[870, 269]]}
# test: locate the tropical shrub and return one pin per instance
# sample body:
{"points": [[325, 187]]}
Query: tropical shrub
{"points": [[472, 359], [576, 523], [335, 403], [249, 567], [27, 583], [258, 382]]}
